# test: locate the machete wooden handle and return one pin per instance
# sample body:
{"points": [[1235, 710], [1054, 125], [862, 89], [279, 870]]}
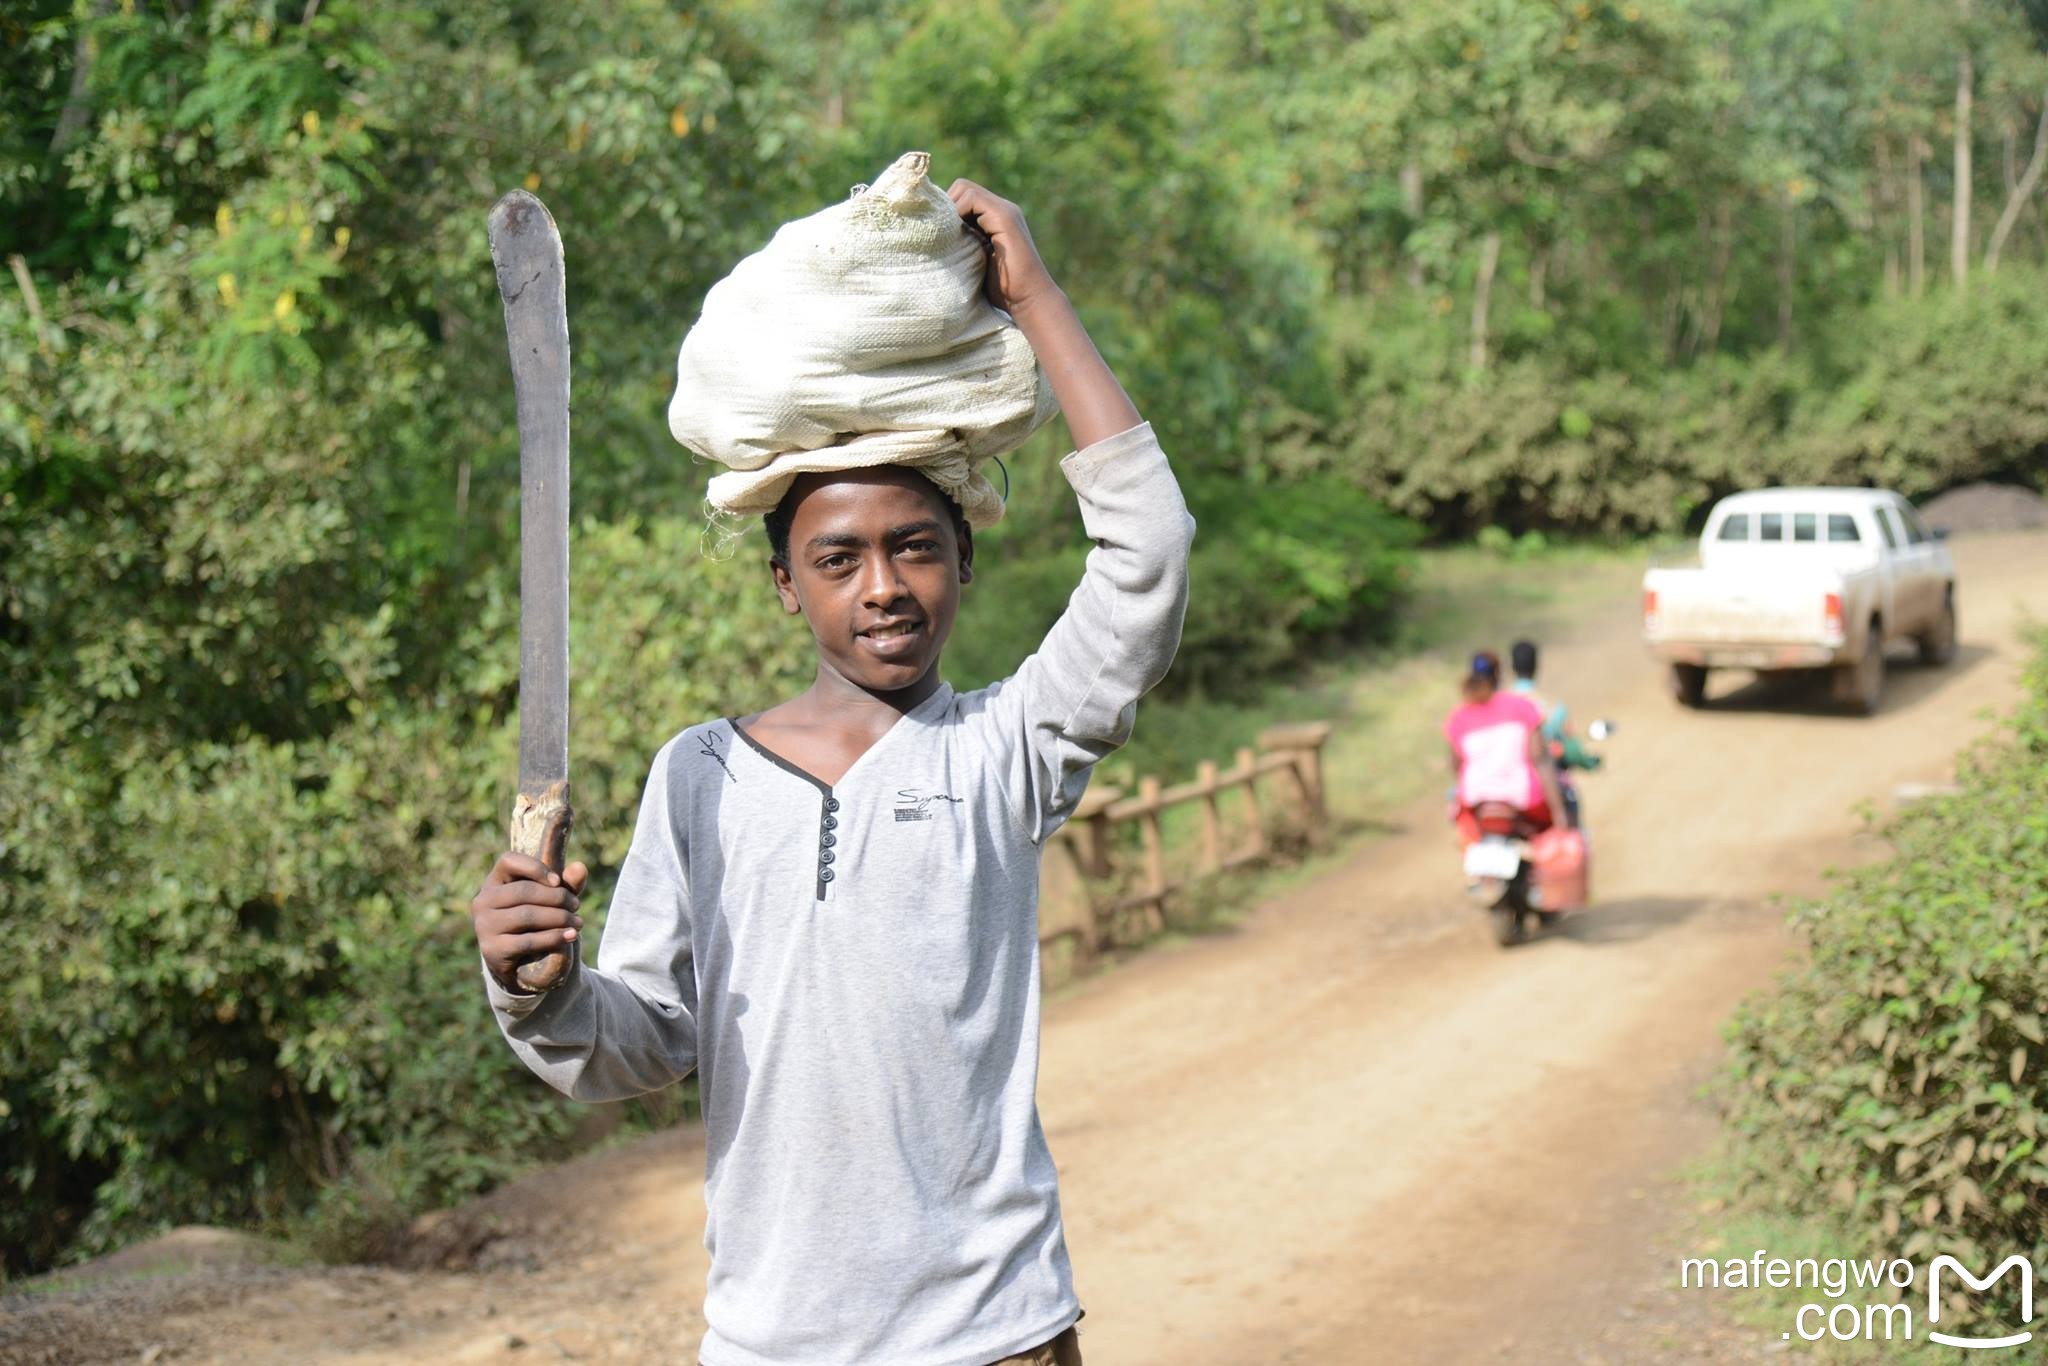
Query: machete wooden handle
{"points": [[540, 829]]}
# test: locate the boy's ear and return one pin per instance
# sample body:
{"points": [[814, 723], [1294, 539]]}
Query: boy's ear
{"points": [[966, 553], [785, 588]]}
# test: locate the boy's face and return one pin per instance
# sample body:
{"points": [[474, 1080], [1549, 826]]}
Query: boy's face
{"points": [[875, 567]]}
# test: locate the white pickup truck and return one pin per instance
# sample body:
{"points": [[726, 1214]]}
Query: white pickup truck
{"points": [[1795, 579]]}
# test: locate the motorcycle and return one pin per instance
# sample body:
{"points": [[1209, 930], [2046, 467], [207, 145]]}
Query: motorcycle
{"points": [[1522, 877]]}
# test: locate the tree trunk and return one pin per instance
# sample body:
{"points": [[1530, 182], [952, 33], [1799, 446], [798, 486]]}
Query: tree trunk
{"points": [[1788, 247], [1717, 276], [1411, 204], [1482, 296], [1959, 233], [76, 115], [1885, 195], [1916, 215], [461, 509], [2022, 190]]}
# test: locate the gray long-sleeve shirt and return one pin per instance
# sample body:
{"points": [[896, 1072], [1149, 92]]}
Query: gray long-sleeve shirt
{"points": [[853, 971]]}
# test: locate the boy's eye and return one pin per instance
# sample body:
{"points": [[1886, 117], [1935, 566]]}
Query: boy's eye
{"points": [[835, 562], [921, 547]]}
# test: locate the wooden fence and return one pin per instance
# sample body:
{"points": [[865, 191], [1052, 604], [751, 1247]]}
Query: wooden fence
{"points": [[1096, 890]]}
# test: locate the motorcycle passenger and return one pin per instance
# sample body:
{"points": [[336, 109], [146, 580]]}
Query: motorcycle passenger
{"points": [[1566, 750], [1498, 752]]}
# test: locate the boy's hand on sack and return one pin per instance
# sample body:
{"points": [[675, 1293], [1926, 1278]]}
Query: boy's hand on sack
{"points": [[1016, 277], [523, 911]]}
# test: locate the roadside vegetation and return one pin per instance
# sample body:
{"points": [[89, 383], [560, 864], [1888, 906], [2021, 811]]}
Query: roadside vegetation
{"points": [[1384, 276], [1888, 1097]]}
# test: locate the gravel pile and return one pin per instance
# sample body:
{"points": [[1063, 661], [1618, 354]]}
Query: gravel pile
{"points": [[1987, 507]]}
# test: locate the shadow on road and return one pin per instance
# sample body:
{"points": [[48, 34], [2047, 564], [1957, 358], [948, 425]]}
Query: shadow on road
{"points": [[1907, 684], [1625, 922]]}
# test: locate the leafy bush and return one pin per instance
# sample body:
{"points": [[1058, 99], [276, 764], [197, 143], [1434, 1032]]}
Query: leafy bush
{"points": [[1893, 1087], [254, 974], [1921, 399], [1947, 393], [1278, 572]]}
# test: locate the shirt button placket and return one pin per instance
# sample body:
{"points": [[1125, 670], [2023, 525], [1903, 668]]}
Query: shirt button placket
{"points": [[827, 823]]}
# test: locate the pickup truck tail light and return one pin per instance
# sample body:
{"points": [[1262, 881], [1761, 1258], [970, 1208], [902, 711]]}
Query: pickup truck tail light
{"points": [[1649, 609], [1837, 629]]}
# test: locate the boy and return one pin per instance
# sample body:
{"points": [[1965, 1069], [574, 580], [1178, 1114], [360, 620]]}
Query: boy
{"points": [[829, 908], [1565, 747]]}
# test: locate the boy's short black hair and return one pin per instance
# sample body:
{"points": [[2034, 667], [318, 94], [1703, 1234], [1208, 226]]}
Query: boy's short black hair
{"points": [[777, 522], [1523, 654]]}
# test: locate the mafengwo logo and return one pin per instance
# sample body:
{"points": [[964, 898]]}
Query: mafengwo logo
{"points": [[2013, 1263]]}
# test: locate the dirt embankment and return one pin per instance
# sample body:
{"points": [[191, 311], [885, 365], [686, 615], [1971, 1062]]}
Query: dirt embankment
{"points": [[1351, 1130]]}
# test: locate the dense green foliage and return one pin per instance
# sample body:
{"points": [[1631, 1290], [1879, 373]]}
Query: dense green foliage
{"points": [[1894, 1087], [1946, 392], [1598, 264], [1507, 266]]}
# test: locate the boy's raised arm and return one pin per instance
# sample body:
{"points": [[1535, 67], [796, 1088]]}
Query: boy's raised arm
{"points": [[1075, 700], [1092, 401]]}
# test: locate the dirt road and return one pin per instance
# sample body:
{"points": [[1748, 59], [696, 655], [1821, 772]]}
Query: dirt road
{"points": [[1351, 1130]]}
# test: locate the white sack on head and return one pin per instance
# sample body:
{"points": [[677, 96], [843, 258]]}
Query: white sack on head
{"points": [[859, 336]]}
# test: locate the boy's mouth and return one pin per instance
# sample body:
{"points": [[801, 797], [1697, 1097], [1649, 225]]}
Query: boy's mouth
{"points": [[892, 640]]}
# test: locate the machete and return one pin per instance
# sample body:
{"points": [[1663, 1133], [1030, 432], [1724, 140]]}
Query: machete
{"points": [[528, 254]]}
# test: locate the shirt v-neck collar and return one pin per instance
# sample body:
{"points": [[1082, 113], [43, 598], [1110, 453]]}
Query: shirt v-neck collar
{"points": [[797, 770], [828, 802]]}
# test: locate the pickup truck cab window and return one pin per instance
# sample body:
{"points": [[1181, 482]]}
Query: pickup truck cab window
{"points": [[1884, 526], [1916, 531], [1734, 527]]}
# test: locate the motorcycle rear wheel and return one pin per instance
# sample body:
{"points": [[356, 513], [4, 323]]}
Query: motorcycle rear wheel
{"points": [[1507, 925]]}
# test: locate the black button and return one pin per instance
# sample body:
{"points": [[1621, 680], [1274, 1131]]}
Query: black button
{"points": [[831, 803], [824, 875], [831, 822], [829, 840], [825, 856]]}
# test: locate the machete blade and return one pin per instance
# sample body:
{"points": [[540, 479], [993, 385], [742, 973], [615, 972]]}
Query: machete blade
{"points": [[528, 253]]}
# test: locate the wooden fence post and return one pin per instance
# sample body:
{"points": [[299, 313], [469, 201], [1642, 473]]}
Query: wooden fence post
{"points": [[1212, 818], [1312, 759], [1093, 816], [1303, 743], [1155, 846], [1249, 764]]}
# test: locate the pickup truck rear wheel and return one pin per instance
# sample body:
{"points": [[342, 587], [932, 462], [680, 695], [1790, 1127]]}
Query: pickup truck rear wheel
{"points": [[1689, 684], [1938, 642], [1859, 686]]}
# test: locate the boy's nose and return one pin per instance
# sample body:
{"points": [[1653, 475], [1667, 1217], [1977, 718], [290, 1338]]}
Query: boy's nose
{"points": [[881, 582]]}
